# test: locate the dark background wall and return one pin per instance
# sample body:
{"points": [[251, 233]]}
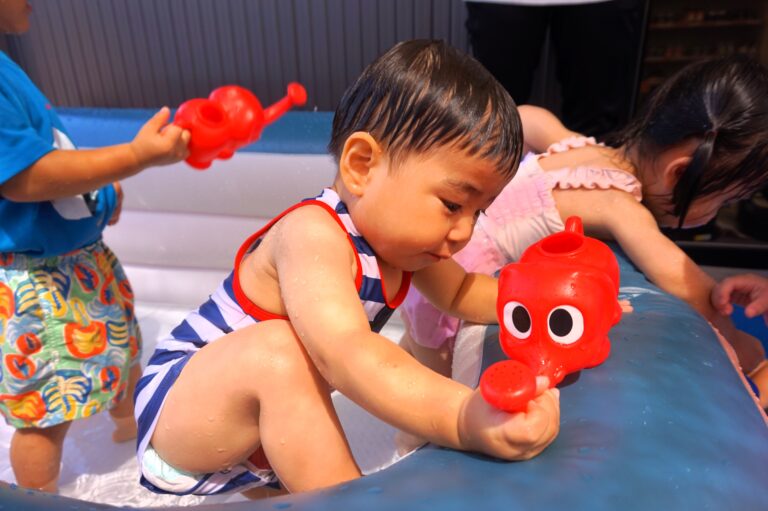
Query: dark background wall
{"points": [[148, 53]]}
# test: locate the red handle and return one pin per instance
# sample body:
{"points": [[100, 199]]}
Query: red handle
{"points": [[574, 224]]}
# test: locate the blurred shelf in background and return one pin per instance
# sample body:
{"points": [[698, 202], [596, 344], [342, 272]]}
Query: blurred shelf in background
{"points": [[682, 31]]}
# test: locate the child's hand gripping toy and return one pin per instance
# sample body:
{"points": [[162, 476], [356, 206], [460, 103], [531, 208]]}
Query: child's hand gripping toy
{"points": [[228, 119], [555, 308]]}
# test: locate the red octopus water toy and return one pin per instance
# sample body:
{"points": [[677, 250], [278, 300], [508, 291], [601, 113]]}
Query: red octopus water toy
{"points": [[229, 118], [555, 308]]}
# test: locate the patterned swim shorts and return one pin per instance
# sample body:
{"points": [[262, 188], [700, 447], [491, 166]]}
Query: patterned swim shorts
{"points": [[68, 336]]}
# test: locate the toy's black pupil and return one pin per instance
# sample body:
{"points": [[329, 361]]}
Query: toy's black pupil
{"points": [[521, 319], [560, 322]]}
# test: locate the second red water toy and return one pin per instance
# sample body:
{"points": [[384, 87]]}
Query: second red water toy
{"points": [[555, 308], [229, 118]]}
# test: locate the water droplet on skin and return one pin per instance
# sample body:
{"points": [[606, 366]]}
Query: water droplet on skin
{"points": [[220, 449], [210, 419]]}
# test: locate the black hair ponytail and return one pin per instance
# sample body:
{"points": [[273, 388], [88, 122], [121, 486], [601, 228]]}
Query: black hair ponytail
{"points": [[723, 103]]}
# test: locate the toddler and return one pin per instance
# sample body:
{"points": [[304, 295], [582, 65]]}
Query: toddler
{"points": [[70, 343], [239, 395]]}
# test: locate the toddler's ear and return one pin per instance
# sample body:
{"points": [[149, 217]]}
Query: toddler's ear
{"points": [[674, 169], [360, 155]]}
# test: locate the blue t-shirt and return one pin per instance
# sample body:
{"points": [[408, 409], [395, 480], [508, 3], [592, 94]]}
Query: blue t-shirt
{"points": [[30, 129]]}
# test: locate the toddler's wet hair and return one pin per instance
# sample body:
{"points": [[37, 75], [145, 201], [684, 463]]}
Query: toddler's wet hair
{"points": [[424, 94]]}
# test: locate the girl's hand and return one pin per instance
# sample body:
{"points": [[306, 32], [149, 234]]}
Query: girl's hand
{"points": [[516, 436], [748, 290], [160, 143], [118, 204]]}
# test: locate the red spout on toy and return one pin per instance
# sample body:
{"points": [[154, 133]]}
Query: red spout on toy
{"points": [[555, 308], [296, 95], [230, 118]]}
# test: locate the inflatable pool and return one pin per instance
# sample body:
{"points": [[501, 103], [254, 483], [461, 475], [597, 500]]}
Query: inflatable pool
{"points": [[665, 423]]}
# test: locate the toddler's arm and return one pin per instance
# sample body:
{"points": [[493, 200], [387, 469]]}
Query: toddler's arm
{"points": [[748, 290], [541, 128], [62, 173], [663, 262], [316, 269], [453, 290]]}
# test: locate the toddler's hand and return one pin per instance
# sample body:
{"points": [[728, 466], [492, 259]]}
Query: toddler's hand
{"points": [[748, 290], [160, 143], [511, 436]]}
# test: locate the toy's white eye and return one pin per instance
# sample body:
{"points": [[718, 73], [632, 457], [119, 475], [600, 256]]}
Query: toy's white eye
{"points": [[517, 320], [565, 324]]}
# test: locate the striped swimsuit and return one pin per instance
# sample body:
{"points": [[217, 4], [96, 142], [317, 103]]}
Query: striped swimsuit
{"points": [[226, 310]]}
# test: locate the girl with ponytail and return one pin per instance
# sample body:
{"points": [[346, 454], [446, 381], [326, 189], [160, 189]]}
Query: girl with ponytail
{"points": [[700, 142]]}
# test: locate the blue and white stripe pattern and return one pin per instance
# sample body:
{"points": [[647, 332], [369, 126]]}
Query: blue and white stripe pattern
{"points": [[222, 314], [371, 291]]}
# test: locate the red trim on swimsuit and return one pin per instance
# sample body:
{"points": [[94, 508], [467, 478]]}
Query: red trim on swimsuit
{"points": [[254, 310]]}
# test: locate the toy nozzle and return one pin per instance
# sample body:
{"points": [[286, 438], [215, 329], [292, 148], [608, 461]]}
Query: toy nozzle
{"points": [[296, 95]]}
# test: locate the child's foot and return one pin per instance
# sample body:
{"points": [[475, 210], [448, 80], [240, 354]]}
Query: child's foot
{"points": [[125, 429]]}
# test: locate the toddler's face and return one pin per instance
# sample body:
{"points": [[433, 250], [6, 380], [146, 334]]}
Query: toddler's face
{"points": [[425, 210], [14, 16]]}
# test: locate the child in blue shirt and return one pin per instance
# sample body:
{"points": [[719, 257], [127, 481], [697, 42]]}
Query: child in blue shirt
{"points": [[69, 342]]}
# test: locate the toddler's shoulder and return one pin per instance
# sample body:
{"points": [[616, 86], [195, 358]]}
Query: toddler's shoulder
{"points": [[312, 222]]}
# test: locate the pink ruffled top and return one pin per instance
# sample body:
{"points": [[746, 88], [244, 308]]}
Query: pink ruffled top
{"points": [[582, 176]]}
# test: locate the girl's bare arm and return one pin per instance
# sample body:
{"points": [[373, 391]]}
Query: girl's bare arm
{"points": [[616, 214], [541, 128]]}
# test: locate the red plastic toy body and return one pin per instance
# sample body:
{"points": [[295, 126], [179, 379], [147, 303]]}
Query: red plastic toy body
{"points": [[228, 119], [555, 308]]}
